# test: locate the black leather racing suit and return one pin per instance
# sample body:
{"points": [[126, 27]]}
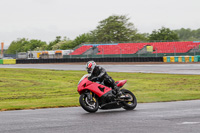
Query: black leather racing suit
{"points": [[102, 76]]}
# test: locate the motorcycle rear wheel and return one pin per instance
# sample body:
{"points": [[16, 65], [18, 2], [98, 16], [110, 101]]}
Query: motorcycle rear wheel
{"points": [[132, 103], [89, 106]]}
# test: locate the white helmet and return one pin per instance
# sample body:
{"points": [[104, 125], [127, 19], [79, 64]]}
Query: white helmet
{"points": [[90, 66]]}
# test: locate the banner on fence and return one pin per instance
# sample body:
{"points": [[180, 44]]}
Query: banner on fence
{"points": [[149, 48]]}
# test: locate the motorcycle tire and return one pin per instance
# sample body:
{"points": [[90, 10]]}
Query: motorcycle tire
{"points": [[129, 105], [85, 105]]}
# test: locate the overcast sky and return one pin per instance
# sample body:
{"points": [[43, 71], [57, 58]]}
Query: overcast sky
{"points": [[46, 19]]}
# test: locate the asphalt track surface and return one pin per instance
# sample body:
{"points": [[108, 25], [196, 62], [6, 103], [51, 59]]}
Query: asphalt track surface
{"points": [[161, 117], [143, 68], [169, 117]]}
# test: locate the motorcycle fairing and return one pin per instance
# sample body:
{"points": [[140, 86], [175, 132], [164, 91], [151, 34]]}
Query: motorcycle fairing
{"points": [[96, 88], [81, 86]]}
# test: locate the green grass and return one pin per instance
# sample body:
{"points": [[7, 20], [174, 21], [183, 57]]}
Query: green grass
{"points": [[33, 88]]}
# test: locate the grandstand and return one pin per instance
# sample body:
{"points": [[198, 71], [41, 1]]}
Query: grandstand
{"points": [[134, 48], [81, 50]]}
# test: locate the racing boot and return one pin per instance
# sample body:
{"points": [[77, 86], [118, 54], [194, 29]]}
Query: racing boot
{"points": [[118, 93]]}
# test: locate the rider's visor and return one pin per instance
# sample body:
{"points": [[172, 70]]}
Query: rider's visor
{"points": [[89, 70]]}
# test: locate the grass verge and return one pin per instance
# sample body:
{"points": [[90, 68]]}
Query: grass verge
{"points": [[33, 88]]}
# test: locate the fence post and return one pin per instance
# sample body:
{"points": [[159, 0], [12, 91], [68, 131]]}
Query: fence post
{"points": [[16, 54], [120, 52], [156, 52], [174, 51], [102, 52]]}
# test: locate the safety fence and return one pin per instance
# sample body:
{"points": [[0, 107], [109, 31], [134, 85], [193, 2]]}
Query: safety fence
{"points": [[131, 55]]}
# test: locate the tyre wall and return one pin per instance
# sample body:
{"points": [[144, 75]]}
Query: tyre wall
{"points": [[71, 60], [7, 61], [181, 58]]}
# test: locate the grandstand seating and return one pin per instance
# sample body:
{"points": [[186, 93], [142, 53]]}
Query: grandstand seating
{"points": [[132, 48], [121, 48], [81, 50], [171, 47]]}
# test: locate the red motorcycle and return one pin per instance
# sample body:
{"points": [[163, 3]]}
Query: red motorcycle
{"points": [[95, 95]]}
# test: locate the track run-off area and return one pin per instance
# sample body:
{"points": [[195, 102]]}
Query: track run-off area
{"points": [[160, 117]]}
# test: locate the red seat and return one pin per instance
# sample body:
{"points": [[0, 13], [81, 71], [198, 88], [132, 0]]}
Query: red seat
{"points": [[81, 50]]}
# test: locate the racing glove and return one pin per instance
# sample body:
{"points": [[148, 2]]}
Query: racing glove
{"points": [[95, 79]]}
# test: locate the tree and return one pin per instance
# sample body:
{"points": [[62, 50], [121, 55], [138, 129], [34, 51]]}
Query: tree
{"points": [[188, 34], [65, 44], [33, 44], [83, 38], [163, 34], [141, 37], [24, 45], [57, 40], [115, 29], [17, 45], [41, 48]]}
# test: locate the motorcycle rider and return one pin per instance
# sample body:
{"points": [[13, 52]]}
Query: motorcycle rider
{"points": [[98, 73]]}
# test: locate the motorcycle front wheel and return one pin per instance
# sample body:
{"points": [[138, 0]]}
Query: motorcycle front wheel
{"points": [[88, 105], [131, 103]]}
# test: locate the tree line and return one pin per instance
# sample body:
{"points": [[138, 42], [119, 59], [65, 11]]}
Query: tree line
{"points": [[114, 29]]}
